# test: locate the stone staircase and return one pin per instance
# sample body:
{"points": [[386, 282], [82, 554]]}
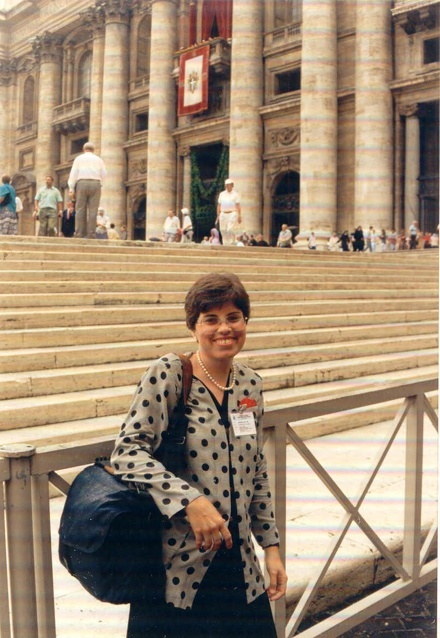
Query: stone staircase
{"points": [[81, 320]]}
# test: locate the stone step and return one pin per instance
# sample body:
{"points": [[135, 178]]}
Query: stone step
{"points": [[94, 334], [286, 397], [120, 298], [160, 287], [19, 318], [103, 425], [274, 362], [56, 408], [221, 255], [59, 356], [123, 274], [342, 313]]}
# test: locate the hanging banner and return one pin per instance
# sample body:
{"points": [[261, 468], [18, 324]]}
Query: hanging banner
{"points": [[193, 81]]}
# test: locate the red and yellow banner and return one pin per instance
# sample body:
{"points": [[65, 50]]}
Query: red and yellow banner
{"points": [[193, 81]]}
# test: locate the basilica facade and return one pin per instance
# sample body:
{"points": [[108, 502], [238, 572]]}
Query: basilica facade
{"points": [[324, 112]]}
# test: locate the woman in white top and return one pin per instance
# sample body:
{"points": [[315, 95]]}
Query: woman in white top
{"points": [[171, 226], [187, 227]]}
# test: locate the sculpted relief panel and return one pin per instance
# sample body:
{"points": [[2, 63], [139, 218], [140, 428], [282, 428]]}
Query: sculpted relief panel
{"points": [[287, 136]]}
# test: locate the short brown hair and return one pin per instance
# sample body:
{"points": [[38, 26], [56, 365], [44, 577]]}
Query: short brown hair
{"points": [[6, 179], [214, 290]]}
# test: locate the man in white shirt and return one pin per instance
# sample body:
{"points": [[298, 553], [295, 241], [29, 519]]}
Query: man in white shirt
{"points": [[228, 212], [284, 237], [85, 182]]}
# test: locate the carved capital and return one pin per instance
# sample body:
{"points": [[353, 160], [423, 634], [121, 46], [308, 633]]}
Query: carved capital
{"points": [[141, 6], [46, 47], [184, 151], [409, 110], [175, 2], [93, 19], [8, 72], [115, 10]]}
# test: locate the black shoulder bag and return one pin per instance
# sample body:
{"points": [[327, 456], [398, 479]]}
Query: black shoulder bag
{"points": [[110, 535]]}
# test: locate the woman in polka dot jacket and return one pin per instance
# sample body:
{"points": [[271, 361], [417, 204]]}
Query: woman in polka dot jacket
{"points": [[214, 583]]}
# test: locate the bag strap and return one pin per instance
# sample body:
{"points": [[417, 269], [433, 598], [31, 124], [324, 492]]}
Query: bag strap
{"points": [[187, 375]]}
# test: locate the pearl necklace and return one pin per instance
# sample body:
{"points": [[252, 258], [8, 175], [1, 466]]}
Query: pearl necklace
{"points": [[225, 388]]}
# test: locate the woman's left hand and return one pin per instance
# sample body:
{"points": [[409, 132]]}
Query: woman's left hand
{"points": [[277, 573]]}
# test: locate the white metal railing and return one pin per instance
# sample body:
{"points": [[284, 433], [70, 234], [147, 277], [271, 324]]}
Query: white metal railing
{"points": [[27, 607]]}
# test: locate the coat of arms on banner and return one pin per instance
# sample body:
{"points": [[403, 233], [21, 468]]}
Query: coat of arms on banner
{"points": [[193, 81]]}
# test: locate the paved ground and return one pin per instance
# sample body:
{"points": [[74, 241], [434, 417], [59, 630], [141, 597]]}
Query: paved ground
{"points": [[414, 617], [312, 516]]}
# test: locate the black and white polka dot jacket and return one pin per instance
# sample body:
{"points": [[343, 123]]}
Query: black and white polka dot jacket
{"points": [[207, 472]]}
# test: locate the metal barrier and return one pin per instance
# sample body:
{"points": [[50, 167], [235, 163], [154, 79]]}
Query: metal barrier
{"points": [[27, 607]]}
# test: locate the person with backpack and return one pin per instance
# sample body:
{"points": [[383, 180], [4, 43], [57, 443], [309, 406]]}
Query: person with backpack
{"points": [[8, 212]]}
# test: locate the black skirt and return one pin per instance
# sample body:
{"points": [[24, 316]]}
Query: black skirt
{"points": [[220, 607]]}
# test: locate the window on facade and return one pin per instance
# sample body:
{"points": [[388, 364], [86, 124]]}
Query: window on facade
{"points": [[216, 20], [77, 145], [85, 75], [141, 122], [431, 51], [28, 101], [287, 81], [286, 12], [143, 47]]}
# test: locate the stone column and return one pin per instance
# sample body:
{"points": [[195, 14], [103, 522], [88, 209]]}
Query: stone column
{"points": [[185, 153], [114, 130], [412, 165], [47, 50], [373, 115], [161, 172], [246, 127], [319, 112], [94, 19]]}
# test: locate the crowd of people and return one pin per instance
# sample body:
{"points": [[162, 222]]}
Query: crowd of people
{"points": [[84, 218], [372, 241]]}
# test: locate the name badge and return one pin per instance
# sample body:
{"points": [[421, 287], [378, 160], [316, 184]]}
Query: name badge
{"points": [[243, 423]]}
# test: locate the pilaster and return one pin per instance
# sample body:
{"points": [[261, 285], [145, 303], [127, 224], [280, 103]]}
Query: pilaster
{"points": [[8, 81], [185, 153], [412, 164], [48, 54], [94, 20]]}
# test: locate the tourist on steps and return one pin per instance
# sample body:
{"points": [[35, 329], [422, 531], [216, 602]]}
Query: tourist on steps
{"points": [[228, 212], [214, 583], [8, 212]]}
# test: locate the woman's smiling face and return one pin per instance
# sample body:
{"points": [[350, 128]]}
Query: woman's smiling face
{"points": [[221, 332]]}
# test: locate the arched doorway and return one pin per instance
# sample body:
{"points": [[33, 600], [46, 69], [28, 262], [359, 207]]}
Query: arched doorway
{"points": [[139, 217], [285, 205]]}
